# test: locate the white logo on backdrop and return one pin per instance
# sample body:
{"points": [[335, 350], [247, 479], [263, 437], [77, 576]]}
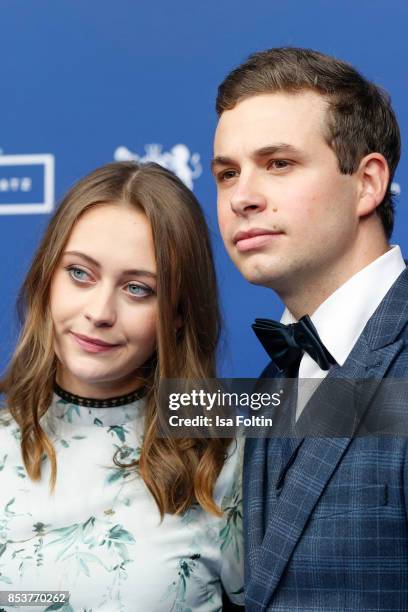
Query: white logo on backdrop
{"points": [[179, 160], [21, 188]]}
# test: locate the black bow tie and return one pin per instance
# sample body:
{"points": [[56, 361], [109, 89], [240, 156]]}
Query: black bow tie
{"points": [[285, 344]]}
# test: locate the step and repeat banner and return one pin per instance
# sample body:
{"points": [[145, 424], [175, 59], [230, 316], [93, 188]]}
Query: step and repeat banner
{"points": [[85, 83]]}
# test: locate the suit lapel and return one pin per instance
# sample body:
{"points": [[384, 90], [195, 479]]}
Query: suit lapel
{"points": [[308, 477], [317, 458], [254, 486], [255, 481]]}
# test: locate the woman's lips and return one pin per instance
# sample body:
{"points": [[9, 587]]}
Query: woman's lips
{"points": [[255, 242], [93, 346]]}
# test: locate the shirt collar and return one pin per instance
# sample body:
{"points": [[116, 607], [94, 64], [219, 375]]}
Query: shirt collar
{"points": [[353, 304]]}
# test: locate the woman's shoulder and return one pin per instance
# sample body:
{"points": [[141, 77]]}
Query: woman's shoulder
{"points": [[230, 537], [5, 416], [229, 483], [9, 431], [6, 420]]}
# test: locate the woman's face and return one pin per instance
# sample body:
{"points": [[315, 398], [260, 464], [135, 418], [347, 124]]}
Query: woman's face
{"points": [[103, 302]]}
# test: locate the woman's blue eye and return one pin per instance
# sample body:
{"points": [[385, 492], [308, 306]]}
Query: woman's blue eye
{"points": [[138, 290], [78, 274]]}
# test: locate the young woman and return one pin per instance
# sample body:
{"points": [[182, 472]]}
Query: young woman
{"points": [[121, 293]]}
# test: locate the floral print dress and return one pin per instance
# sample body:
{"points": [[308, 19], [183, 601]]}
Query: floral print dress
{"points": [[99, 535]]}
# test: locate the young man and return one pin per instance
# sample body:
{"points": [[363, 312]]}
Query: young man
{"points": [[305, 152]]}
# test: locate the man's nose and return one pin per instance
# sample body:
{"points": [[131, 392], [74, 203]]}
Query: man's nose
{"points": [[100, 309], [247, 199]]}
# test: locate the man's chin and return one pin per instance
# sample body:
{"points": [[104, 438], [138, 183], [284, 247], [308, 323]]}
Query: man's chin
{"points": [[261, 277], [259, 268]]}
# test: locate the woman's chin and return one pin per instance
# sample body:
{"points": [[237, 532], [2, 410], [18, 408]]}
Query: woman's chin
{"points": [[95, 381]]}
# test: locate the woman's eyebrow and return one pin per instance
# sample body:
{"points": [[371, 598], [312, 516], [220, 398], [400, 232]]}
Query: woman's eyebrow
{"points": [[92, 261]]}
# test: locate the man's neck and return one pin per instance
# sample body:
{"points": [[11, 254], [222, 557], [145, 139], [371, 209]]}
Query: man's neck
{"points": [[308, 294]]}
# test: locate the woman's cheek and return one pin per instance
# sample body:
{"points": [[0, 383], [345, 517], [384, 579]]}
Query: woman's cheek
{"points": [[150, 328], [141, 323], [56, 298]]}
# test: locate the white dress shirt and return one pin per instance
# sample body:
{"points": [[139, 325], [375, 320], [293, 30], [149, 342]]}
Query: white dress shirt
{"points": [[341, 318]]}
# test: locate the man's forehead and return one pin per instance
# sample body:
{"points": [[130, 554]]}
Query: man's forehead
{"points": [[273, 117]]}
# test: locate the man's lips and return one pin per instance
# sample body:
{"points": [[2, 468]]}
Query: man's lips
{"points": [[93, 345], [254, 238]]}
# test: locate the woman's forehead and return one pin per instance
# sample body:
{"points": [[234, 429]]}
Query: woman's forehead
{"points": [[120, 235]]}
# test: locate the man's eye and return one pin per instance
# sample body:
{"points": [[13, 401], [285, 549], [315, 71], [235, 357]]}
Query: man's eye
{"points": [[226, 175], [78, 274], [277, 164], [136, 290]]}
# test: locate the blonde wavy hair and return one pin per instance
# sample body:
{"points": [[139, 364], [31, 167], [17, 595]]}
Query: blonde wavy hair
{"points": [[178, 472]]}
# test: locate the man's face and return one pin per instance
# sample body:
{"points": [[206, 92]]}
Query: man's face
{"points": [[286, 213]]}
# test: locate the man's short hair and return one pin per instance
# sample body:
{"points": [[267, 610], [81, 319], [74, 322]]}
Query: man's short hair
{"points": [[360, 119]]}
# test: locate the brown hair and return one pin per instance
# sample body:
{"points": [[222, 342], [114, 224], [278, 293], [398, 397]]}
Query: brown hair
{"points": [[360, 120], [177, 472]]}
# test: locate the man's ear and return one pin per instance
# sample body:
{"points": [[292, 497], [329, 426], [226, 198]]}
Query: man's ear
{"points": [[374, 175]]}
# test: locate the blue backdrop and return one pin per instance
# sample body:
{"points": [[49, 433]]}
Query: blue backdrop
{"points": [[83, 83]]}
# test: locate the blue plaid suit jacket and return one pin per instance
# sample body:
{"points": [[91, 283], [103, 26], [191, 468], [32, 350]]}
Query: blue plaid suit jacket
{"points": [[335, 536]]}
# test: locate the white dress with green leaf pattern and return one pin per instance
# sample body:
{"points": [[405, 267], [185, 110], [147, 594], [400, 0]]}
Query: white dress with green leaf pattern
{"points": [[99, 536]]}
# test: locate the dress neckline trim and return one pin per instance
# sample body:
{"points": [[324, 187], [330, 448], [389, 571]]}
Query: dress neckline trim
{"points": [[88, 402]]}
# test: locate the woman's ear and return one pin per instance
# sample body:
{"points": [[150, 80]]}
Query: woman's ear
{"points": [[374, 176]]}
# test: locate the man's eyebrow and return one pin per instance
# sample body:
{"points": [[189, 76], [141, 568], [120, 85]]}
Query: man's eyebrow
{"points": [[92, 261], [281, 147], [220, 160]]}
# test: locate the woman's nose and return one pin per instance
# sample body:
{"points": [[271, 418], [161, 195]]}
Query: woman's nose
{"points": [[100, 310]]}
